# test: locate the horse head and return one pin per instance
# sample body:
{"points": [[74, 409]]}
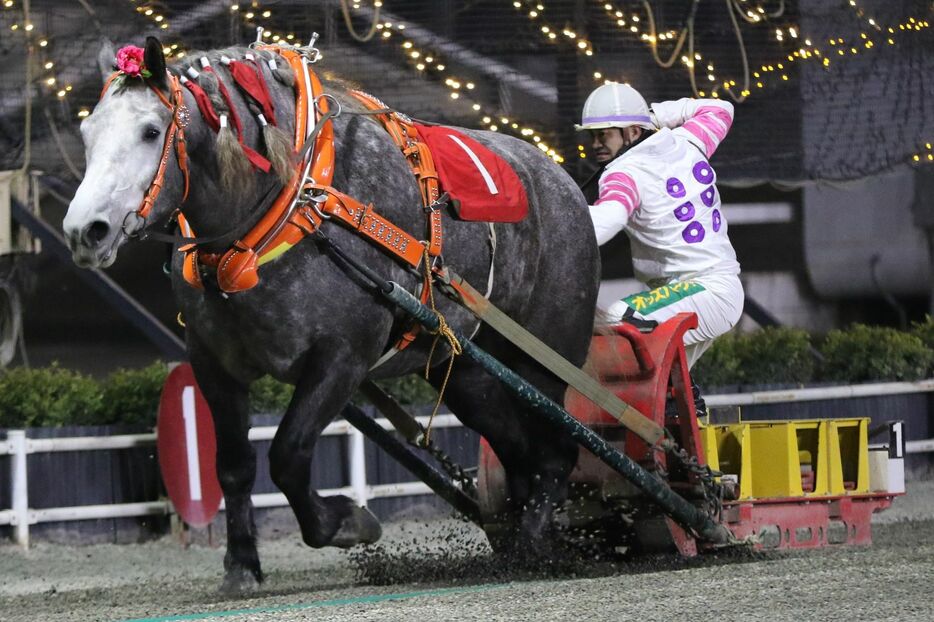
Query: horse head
{"points": [[124, 140], [137, 142]]}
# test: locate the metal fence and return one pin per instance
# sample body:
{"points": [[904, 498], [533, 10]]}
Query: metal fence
{"points": [[18, 447]]}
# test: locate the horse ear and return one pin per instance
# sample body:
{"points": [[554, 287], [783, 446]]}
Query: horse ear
{"points": [[107, 59], [154, 59]]}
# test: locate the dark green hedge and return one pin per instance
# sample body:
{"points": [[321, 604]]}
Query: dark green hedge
{"points": [[786, 355], [54, 396]]}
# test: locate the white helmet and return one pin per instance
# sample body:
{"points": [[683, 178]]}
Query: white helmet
{"points": [[615, 105]]}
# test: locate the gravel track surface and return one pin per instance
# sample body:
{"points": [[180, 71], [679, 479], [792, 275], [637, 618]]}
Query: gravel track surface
{"points": [[442, 570]]}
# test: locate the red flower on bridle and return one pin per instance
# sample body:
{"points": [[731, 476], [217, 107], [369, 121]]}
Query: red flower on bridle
{"points": [[130, 62]]}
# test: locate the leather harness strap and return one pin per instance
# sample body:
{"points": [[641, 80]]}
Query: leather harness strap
{"points": [[237, 268], [300, 209], [308, 199], [419, 157]]}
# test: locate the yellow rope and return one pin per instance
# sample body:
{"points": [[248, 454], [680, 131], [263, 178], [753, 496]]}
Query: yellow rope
{"points": [[443, 331]]}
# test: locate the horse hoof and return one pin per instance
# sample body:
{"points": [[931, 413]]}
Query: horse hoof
{"points": [[240, 581], [359, 527]]}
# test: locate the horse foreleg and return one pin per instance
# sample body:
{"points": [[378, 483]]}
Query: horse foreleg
{"points": [[327, 383], [236, 468]]}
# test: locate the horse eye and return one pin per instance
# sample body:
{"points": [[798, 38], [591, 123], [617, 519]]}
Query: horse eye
{"points": [[151, 133]]}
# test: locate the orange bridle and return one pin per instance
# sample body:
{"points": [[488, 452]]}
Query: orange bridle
{"points": [[174, 136]]}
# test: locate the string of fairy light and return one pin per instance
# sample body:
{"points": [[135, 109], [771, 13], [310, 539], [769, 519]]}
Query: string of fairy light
{"points": [[635, 24], [253, 14], [638, 22], [424, 61], [552, 33], [48, 76], [632, 21]]}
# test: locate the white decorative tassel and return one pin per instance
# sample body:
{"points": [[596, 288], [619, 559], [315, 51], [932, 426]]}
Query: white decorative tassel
{"points": [[193, 73]]}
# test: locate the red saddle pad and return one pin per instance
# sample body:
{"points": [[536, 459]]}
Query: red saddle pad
{"points": [[486, 187]]}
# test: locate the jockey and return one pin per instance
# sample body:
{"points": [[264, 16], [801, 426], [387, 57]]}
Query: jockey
{"points": [[659, 186]]}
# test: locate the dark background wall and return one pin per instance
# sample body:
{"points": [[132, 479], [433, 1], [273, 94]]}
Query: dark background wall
{"points": [[857, 117]]}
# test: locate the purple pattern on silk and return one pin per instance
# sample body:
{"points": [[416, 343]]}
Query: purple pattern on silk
{"points": [[703, 173], [675, 187], [717, 220], [685, 211], [693, 233], [708, 196]]}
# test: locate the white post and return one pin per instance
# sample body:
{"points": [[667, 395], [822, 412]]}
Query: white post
{"points": [[19, 487], [358, 467], [896, 466]]}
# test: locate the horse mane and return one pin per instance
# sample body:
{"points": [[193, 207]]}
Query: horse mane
{"points": [[235, 169]]}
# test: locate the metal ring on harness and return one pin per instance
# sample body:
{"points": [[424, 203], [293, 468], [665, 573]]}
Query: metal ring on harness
{"points": [[312, 54], [332, 99], [315, 201], [135, 232]]}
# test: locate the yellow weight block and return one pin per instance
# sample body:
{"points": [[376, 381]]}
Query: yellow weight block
{"points": [[793, 458]]}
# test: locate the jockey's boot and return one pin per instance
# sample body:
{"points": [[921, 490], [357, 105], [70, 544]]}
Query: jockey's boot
{"points": [[699, 404]]}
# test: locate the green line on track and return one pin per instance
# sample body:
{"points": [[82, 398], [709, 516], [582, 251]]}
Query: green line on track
{"points": [[375, 598]]}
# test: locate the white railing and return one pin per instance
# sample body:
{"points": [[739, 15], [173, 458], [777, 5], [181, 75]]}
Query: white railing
{"points": [[20, 516]]}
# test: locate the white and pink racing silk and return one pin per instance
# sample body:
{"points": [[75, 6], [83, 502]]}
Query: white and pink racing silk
{"points": [[663, 192]]}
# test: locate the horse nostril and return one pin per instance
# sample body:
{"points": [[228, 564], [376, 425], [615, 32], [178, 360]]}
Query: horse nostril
{"points": [[94, 233]]}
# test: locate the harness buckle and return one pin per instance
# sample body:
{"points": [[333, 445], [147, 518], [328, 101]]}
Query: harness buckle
{"points": [[438, 203], [315, 200]]}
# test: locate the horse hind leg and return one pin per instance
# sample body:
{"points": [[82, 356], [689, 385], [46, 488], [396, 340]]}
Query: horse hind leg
{"points": [[537, 458], [236, 468], [326, 385]]}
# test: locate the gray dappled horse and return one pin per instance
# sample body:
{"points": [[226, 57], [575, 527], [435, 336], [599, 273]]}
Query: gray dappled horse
{"points": [[310, 323]]}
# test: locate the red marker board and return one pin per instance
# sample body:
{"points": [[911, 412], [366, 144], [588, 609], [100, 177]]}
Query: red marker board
{"points": [[187, 448]]}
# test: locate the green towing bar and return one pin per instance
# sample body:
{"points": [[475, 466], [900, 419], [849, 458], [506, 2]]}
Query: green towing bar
{"points": [[683, 512]]}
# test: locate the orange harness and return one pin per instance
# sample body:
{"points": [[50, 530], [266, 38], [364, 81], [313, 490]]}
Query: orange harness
{"points": [[309, 199]]}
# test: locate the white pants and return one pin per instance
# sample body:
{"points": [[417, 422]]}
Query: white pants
{"points": [[717, 299]]}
